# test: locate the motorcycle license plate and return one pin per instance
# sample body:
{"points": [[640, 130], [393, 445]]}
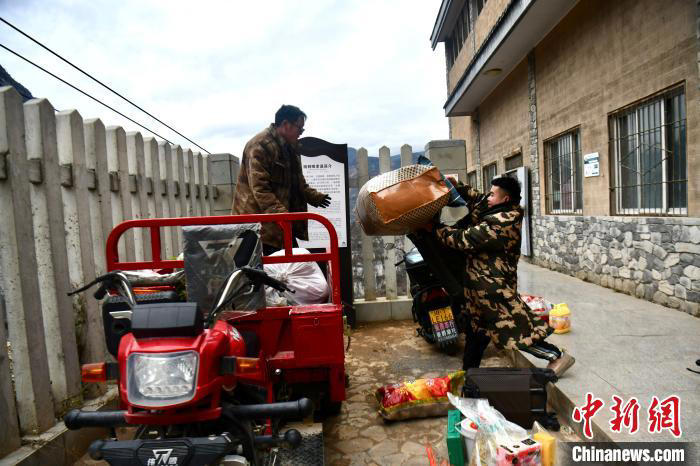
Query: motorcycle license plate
{"points": [[443, 323]]}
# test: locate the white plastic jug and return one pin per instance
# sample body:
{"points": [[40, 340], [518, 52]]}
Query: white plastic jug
{"points": [[468, 429]]}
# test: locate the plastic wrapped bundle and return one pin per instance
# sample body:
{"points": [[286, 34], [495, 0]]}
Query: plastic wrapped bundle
{"points": [[418, 398], [402, 200], [305, 278]]}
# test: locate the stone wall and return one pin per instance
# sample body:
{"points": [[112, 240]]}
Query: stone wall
{"points": [[652, 258]]}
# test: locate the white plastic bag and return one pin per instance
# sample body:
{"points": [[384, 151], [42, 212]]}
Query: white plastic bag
{"points": [[494, 432], [305, 278]]}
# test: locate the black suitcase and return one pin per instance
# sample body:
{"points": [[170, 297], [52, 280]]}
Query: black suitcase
{"points": [[519, 394]]}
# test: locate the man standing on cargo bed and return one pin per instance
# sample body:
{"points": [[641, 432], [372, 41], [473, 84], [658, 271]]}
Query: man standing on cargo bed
{"points": [[491, 242], [271, 180]]}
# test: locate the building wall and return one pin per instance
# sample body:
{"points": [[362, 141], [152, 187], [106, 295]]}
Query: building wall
{"points": [[481, 27], [463, 58], [487, 19], [461, 128], [604, 56], [503, 118], [601, 57]]}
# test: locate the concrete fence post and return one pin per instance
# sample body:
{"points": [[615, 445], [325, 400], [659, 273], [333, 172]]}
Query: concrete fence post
{"points": [[52, 258], [223, 176], [201, 184], [79, 238], [145, 191], [370, 280], [207, 204], [450, 156], [389, 255], [20, 284], [180, 190], [128, 199], [9, 425], [101, 197], [165, 156], [136, 193], [116, 145], [194, 185], [407, 159], [209, 165], [189, 183], [154, 186]]}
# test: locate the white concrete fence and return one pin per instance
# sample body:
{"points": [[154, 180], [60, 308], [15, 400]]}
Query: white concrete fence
{"points": [[389, 257], [379, 264], [64, 183]]}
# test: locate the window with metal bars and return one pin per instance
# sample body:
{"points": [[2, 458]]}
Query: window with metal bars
{"points": [[648, 143], [466, 20], [459, 35], [448, 53], [471, 179], [489, 172], [563, 169]]}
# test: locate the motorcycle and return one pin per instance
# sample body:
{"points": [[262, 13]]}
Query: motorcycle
{"points": [[436, 291], [178, 376]]}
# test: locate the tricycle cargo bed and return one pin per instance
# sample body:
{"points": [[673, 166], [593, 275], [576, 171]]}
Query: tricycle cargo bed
{"points": [[295, 337], [297, 344]]}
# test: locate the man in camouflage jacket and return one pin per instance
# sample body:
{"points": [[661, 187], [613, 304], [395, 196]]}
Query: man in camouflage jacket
{"points": [[491, 243], [271, 180]]}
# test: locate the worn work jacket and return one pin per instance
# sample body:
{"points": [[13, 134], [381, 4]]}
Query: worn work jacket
{"points": [[492, 246], [270, 181]]}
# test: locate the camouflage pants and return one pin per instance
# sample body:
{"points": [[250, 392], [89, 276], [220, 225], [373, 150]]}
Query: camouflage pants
{"points": [[504, 318]]}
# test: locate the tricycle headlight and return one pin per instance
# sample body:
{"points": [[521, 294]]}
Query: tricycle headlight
{"points": [[161, 379]]}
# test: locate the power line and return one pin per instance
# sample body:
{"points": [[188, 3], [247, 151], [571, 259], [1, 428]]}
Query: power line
{"points": [[100, 83], [85, 93]]}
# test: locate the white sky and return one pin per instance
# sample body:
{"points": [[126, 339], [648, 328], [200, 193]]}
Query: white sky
{"points": [[362, 70]]}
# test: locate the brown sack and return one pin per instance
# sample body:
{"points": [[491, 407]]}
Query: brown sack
{"points": [[402, 200]]}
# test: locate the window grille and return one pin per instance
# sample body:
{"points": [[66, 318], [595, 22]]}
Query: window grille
{"points": [[471, 179], [563, 167], [648, 145], [489, 172], [466, 20], [462, 28], [448, 53]]}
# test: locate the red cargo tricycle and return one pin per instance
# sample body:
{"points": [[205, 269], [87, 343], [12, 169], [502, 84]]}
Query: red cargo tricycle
{"points": [[180, 374]]}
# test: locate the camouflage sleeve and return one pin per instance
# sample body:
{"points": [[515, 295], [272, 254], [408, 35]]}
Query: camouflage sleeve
{"points": [[260, 184], [311, 196], [473, 239], [467, 192], [473, 197]]}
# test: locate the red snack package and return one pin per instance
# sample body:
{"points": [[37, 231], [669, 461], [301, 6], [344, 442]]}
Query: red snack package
{"points": [[418, 398]]}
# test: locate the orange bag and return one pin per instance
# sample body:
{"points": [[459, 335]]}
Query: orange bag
{"points": [[402, 200]]}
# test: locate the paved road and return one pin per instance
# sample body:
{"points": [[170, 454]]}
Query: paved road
{"points": [[623, 346]]}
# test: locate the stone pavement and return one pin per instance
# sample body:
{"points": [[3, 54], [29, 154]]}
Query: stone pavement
{"points": [[389, 352], [382, 353], [623, 346]]}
